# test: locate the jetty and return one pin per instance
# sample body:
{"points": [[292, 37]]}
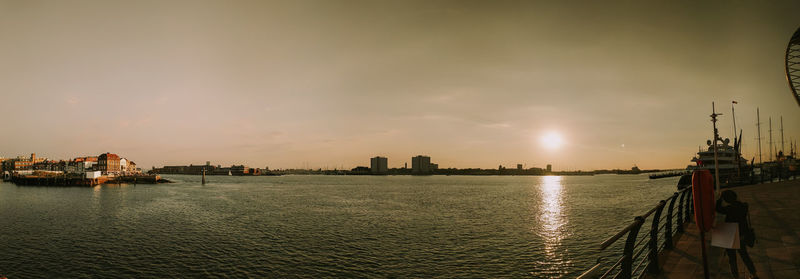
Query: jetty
{"points": [[669, 174]]}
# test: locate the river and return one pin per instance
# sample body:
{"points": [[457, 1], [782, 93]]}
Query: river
{"points": [[320, 226]]}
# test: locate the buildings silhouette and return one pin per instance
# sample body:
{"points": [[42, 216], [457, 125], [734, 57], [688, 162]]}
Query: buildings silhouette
{"points": [[421, 164], [379, 165]]}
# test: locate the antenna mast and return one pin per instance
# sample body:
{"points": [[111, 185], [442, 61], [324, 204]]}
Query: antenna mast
{"points": [[714, 115]]}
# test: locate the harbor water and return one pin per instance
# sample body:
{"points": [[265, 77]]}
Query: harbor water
{"points": [[320, 226]]}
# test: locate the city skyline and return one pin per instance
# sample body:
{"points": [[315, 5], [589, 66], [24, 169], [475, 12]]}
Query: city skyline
{"points": [[332, 84]]}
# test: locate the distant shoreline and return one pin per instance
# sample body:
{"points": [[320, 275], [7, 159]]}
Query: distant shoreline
{"points": [[482, 173]]}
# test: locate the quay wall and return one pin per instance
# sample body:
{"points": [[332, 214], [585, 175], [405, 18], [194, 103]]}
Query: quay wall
{"points": [[63, 180]]}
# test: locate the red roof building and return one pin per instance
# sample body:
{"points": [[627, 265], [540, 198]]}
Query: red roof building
{"points": [[108, 163]]}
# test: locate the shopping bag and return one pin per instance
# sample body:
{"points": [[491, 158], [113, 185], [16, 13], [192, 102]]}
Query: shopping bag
{"points": [[725, 235]]}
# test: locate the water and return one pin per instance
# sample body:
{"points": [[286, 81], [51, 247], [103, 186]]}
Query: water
{"points": [[320, 226]]}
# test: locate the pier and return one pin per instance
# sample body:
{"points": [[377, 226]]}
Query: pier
{"points": [[776, 254]]}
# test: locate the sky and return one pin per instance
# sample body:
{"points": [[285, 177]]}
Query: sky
{"points": [[329, 84]]}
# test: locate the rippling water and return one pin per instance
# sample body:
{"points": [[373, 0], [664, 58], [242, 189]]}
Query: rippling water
{"points": [[320, 226]]}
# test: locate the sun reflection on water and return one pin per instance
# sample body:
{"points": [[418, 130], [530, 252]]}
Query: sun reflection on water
{"points": [[552, 220]]}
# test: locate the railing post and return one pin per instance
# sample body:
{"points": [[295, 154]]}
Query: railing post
{"points": [[689, 207], [668, 227], [653, 266], [680, 212], [627, 256]]}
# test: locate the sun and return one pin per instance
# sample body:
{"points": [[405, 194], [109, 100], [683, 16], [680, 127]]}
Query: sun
{"points": [[552, 140]]}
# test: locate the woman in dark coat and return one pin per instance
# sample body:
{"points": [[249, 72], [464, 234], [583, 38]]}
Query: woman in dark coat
{"points": [[736, 212]]}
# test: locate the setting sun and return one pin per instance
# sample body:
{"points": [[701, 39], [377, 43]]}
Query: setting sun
{"points": [[552, 140]]}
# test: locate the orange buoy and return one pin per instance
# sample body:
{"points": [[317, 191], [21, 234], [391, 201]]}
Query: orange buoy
{"points": [[704, 204]]}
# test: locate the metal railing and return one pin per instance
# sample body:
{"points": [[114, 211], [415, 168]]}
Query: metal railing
{"points": [[640, 253]]}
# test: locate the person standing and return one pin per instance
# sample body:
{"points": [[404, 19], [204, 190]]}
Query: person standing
{"points": [[737, 212]]}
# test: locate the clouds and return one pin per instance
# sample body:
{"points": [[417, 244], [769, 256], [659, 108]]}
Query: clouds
{"points": [[332, 83]]}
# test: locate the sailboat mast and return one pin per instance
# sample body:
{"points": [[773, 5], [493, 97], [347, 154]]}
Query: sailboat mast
{"points": [[770, 138], [733, 114], [758, 125], [736, 142], [783, 147]]}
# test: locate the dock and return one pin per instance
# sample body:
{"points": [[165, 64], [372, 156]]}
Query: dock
{"points": [[72, 180], [776, 254]]}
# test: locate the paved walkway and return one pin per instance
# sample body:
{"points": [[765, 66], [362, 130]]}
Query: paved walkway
{"points": [[775, 215]]}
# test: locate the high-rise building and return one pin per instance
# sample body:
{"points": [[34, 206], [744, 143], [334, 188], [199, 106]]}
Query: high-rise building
{"points": [[519, 166], [379, 165], [549, 168], [421, 164]]}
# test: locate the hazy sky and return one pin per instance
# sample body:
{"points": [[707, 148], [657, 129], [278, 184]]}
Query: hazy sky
{"points": [[331, 83]]}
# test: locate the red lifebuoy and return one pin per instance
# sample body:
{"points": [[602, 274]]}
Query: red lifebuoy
{"points": [[703, 194]]}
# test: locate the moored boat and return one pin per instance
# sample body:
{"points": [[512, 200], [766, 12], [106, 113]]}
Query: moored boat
{"points": [[733, 168]]}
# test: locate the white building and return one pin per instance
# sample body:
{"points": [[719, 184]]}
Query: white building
{"points": [[79, 167], [93, 174]]}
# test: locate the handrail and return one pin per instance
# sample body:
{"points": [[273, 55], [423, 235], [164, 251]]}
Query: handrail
{"points": [[617, 236], [660, 222], [592, 272]]}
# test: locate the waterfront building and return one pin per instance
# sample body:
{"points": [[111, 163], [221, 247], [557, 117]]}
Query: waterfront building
{"points": [[171, 170], [15, 164], [421, 164], [93, 174], [379, 165], [132, 168], [239, 170], [57, 166], [81, 164], [360, 170], [192, 169], [108, 163], [22, 163], [549, 168], [127, 166], [519, 166]]}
